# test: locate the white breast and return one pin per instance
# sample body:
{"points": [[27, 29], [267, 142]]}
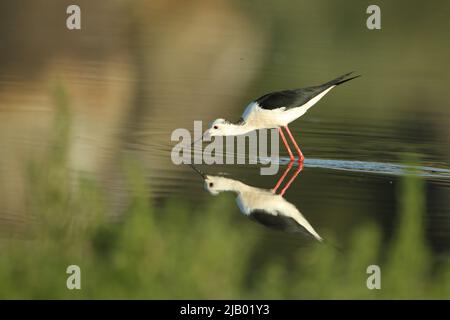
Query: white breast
{"points": [[260, 118], [256, 198]]}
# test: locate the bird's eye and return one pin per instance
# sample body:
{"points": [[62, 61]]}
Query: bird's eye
{"points": [[216, 127], [211, 184]]}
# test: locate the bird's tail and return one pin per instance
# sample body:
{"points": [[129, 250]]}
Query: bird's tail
{"points": [[342, 79]]}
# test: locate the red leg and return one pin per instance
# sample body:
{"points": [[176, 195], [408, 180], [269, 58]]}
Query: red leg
{"points": [[300, 154], [274, 190], [285, 143], [300, 167]]}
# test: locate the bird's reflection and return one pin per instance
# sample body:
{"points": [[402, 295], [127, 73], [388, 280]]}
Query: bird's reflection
{"points": [[265, 206]]}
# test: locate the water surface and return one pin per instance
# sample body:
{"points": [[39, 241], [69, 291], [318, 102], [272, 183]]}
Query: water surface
{"points": [[137, 72]]}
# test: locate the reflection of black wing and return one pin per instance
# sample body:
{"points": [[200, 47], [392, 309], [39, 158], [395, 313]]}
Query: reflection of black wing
{"points": [[296, 98], [278, 221]]}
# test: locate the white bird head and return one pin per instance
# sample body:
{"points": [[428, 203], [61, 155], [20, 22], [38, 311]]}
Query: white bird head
{"points": [[219, 127], [217, 184]]}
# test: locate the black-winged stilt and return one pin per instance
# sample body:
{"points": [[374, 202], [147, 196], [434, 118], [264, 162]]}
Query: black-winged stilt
{"points": [[276, 110], [264, 206]]}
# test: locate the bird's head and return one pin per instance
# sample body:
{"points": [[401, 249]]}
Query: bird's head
{"points": [[219, 127], [217, 184]]}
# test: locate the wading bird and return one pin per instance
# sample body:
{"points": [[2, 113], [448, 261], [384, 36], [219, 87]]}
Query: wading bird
{"points": [[264, 206], [276, 110]]}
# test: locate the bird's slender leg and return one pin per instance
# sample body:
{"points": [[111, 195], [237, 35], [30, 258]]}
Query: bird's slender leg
{"points": [[274, 190], [286, 144], [300, 167], [300, 154]]}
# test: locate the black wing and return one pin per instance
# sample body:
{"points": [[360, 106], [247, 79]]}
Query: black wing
{"points": [[297, 97], [288, 98]]}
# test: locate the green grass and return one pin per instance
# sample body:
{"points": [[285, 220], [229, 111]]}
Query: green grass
{"points": [[176, 253]]}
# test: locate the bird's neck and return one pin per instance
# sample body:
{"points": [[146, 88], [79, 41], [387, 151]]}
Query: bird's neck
{"points": [[232, 185]]}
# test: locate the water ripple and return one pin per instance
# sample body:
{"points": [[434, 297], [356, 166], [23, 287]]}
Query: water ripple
{"points": [[374, 167]]}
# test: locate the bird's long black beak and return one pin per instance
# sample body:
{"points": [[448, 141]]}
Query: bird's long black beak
{"points": [[198, 171], [205, 136], [196, 141], [194, 167]]}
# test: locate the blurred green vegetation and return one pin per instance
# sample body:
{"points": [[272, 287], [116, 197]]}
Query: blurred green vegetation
{"points": [[173, 253]]}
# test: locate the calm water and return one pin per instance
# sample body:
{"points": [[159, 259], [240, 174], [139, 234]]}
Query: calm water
{"points": [[130, 86], [332, 194]]}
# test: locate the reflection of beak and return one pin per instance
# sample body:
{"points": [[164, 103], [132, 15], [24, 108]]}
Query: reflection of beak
{"points": [[198, 171], [206, 136]]}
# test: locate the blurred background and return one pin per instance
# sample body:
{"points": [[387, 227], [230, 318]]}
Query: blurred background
{"points": [[86, 176]]}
